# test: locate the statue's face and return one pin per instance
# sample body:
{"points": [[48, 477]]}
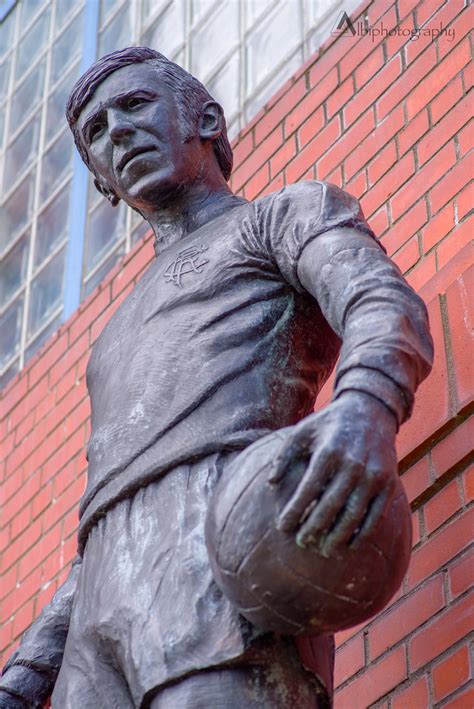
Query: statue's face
{"points": [[132, 130]]}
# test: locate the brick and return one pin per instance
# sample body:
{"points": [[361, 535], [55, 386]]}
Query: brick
{"points": [[459, 28], [460, 316], [256, 183], [442, 506], [23, 619], [408, 614], [350, 658], [258, 158], [42, 366], [443, 632], [369, 67], [242, 149], [416, 528], [468, 483], [413, 131], [423, 180], [451, 673], [446, 99], [464, 139], [416, 479], [449, 248], [382, 163], [455, 447], [415, 696], [403, 36], [280, 110], [422, 272], [440, 548], [313, 150], [334, 153], [340, 97], [465, 201], [11, 395], [283, 156], [373, 684], [463, 700], [20, 522], [424, 91], [97, 305], [391, 184], [461, 574], [448, 126], [364, 150], [372, 91], [357, 53], [358, 185], [408, 255], [379, 222], [439, 226]]}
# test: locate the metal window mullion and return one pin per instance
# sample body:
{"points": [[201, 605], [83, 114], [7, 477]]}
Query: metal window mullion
{"points": [[78, 201], [30, 267]]}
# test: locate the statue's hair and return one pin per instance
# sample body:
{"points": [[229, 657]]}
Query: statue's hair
{"points": [[190, 94]]}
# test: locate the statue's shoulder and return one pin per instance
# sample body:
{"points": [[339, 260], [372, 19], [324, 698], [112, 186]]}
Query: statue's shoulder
{"points": [[308, 196]]}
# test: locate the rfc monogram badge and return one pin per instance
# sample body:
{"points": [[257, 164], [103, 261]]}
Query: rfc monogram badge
{"points": [[187, 261]]}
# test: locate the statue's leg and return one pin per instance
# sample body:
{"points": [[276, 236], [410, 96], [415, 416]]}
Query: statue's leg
{"points": [[235, 688]]}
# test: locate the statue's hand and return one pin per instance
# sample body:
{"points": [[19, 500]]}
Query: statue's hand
{"points": [[349, 450]]}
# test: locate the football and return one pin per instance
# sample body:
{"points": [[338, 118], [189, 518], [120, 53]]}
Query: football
{"points": [[280, 586]]}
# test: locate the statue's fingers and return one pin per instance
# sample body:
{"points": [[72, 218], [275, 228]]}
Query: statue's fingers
{"points": [[308, 491], [375, 512], [295, 446], [329, 506], [348, 523]]}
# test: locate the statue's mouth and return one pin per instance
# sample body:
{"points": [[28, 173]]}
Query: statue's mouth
{"points": [[131, 154]]}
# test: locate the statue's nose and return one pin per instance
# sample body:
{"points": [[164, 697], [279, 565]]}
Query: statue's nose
{"points": [[120, 128]]}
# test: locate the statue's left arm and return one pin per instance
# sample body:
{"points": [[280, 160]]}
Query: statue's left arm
{"points": [[386, 352]]}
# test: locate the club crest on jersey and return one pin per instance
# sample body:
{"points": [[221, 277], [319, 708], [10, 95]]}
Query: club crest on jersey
{"points": [[188, 260]]}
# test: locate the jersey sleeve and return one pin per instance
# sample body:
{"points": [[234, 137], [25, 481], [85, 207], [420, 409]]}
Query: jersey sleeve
{"points": [[292, 218]]}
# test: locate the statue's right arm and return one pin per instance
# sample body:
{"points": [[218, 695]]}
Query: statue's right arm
{"points": [[29, 676]]}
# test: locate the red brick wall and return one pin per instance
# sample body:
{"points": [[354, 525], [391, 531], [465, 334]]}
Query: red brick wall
{"points": [[387, 120]]}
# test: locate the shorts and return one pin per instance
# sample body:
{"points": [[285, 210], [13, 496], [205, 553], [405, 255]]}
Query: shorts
{"points": [[147, 611]]}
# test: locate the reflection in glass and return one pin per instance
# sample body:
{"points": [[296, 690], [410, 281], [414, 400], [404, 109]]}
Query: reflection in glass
{"points": [[67, 46], [27, 96], [210, 44], [56, 163], [106, 227], [29, 8], [63, 10], [13, 269], [101, 272], [10, 331], [4, 76], [6, 34], [117, 34], [224, 87], [43, 336], [200, 8], [167, 33], [21, 152], [16, 211], [52, 226], [151, 7], [55, 116], [46, 292], [32, 44]]}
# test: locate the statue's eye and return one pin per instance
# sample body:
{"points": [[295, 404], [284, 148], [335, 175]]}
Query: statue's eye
{"points": [[96, 131], [135, 102]]}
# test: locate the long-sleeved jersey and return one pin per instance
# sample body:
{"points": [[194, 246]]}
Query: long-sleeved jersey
{"points": [[225, 339]]}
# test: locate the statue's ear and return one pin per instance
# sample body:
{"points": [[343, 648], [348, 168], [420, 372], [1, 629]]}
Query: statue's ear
{"points": [[106, 192], [211, 122]]}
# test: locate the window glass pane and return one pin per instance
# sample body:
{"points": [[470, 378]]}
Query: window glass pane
{"points": [[140, 231], [27, 96], [215, 39], [64, 8], [201, 8], [166, 34], [56, 164], [4, 76], [52, 226], [272, 40], [16, 211], [117, 34], [225, 87], [255, 8], [10, 331], [9, 374], [7, 29], [67, 47], [13, 269], [106, 9], [29, 8], [46, 292], [269, 88], [42, 337], [2, 126], [101, 272], [21, 152], [106, 227], [151, 7], [55, 115], [32, 44]]}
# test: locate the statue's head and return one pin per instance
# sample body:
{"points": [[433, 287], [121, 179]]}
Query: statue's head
{"points": [[145, 127]]}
